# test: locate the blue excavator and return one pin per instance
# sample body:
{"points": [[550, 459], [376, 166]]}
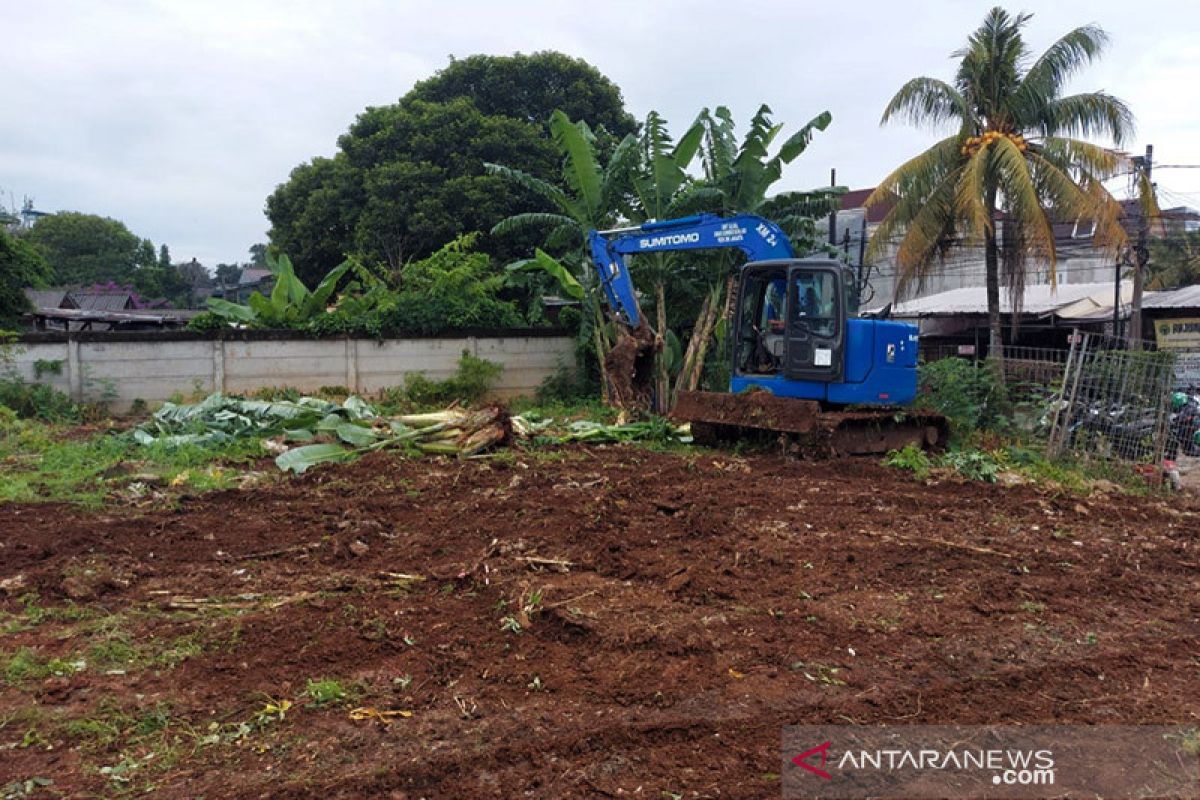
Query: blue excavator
{"points": [[806, 367]]}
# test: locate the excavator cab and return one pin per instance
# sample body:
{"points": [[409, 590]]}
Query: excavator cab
{"points": [[791, 319]]}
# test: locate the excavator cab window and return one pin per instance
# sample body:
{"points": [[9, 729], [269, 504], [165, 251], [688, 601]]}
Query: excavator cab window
{"points": [[762, 322], [814, 302]]}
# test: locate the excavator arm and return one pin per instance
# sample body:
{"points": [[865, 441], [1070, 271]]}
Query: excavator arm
{"points": [[758, 238]]}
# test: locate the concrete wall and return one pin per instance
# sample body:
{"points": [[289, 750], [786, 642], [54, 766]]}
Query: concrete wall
{"points": [[122, 367]]}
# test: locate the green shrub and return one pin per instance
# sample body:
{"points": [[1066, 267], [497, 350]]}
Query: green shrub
{"points": [[471, 382], [570, 318], [566, 386], [326, 691], [966, 393], [37, 401], [974, 465], [911, 458], [453, 289], [207, 321], [8, 419]]}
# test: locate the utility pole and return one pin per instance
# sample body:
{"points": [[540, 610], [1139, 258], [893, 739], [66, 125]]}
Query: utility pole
{"points": [[833, 214], [1119, 262], [1142, 252]]}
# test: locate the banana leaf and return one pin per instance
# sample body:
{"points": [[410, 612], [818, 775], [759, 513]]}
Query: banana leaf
{"points": [[301, 458], [356, 435]]}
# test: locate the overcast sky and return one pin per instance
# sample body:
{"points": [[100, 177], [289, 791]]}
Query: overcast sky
{"points": [[179, 118]]}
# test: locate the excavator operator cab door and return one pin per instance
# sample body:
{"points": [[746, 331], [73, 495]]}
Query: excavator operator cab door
{"points": [[816, 322], [791, 320]]}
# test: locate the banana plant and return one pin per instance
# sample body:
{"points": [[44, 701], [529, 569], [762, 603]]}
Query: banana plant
{"points": [[595, 197], [738, 178], [663, 189], [290, 303]]}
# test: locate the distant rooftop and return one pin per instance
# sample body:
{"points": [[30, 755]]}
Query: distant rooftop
{"points": [[1187, 297], [1084, 298], [50, 298], [253, 275], [102, 300]]}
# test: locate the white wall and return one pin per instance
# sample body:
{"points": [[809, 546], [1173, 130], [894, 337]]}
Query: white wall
{"points": [[121, 368]]}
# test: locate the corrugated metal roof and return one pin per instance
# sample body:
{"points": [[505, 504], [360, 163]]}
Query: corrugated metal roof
{"points": [[1187, 297], [253, 275], [103, 301], [1038, 300], [47, 298], [1097, 306]]}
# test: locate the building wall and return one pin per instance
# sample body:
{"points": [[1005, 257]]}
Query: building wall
{"points": [[1079, 261], [120, 368]]}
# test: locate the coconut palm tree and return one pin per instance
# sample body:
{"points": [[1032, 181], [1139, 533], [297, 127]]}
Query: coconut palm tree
{"points": [[1015, 149]]}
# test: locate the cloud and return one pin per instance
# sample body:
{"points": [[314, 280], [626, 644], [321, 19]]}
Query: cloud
{"points": [[180, 118]]}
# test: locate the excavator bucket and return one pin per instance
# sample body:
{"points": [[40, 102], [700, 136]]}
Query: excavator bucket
{"points": [[804, 427]]}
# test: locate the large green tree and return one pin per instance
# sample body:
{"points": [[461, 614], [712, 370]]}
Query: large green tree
{"points": [[1015, 148], [529, 87], [86, 248], [21, 267], [409, 177]]}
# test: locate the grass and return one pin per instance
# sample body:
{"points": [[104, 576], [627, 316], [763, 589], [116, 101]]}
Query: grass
{"points": [[41, 462], [27, 664], [573, 410], [984, 459], [34, 613]]}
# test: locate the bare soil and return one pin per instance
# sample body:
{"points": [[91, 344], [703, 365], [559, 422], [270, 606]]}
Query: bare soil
{"points": [[603, 622]]}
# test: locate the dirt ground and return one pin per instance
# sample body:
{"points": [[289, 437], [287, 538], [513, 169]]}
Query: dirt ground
{"points": [[604, 622]]}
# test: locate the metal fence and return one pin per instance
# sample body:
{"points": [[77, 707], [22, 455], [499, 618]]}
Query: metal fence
{"points": [[1187, 372], [1098, 399], [1114, 403]]}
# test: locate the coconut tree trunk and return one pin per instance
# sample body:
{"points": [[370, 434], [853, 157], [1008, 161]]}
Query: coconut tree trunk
{"points": [[992, 265]]}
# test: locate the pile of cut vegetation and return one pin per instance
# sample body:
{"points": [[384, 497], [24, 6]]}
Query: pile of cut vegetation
{"points": [[308, 430]]}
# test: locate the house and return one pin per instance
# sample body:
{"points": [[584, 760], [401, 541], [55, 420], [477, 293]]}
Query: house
{"points": [[253, 279], [1080, 261], [1174, 317], [955, 322], [50, 298], [104, 299], [100, 308]]}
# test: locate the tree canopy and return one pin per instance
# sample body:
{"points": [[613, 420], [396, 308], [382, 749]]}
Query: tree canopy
{"points": [[21, 267], [529, 88], [87, 250], [409, 177]]}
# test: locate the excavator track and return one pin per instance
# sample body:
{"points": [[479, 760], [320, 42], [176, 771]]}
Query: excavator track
{"points": [[804, 427]]}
